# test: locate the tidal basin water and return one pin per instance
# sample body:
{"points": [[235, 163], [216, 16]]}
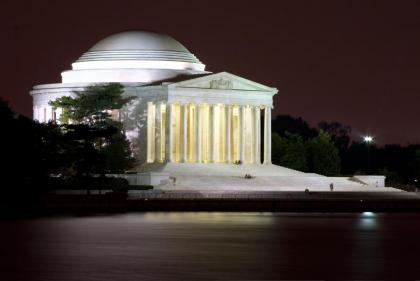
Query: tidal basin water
{"points": [[212, 246]]}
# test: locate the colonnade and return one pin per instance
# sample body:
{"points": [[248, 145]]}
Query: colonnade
{"points": [[207, 133], [46, 113]]}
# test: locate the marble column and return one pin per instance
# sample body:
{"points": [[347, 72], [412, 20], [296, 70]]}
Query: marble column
{"points": [[43, 114], [197, 134], [228, 112], [267, 135], [184, 132], [35, 113], [213, 134], [257, 135], [169, 141], [242, 134], [49, 114], [158, 133]]}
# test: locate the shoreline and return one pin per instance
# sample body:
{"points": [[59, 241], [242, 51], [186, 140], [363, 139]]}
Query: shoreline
{"points": [[279, 202]]}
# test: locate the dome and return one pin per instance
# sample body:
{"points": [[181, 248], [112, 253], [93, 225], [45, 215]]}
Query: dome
{"points": [[138, 46], [134, 56], [139, 40]]}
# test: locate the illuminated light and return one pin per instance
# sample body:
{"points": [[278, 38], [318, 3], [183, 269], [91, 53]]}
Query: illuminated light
{"points": [[368, 139]]}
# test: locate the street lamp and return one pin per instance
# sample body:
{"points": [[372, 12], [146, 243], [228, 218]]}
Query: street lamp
{"points": [[368, 140]]}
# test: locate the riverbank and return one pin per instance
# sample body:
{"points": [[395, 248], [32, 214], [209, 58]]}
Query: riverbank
{"points": [[233, 201]]}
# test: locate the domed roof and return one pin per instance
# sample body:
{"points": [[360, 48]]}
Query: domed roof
{"points": [[139, 46], [134, 56], [139, 40]]}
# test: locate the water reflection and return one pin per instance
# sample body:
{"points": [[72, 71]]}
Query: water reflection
{"points": [[207, 218], [211, 246], [368, 220]]}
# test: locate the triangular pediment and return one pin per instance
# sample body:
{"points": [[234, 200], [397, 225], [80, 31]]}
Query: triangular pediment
{"points": [[222, 81]]}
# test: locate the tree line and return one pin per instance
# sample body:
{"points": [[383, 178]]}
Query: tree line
{"points": [[329, 150]]}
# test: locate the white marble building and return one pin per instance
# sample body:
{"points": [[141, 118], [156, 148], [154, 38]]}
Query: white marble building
{"points": [[185, 122], [182, 112]]}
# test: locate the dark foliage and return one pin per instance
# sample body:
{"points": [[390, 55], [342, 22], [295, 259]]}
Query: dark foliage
{"points": [[99, 139], [285, 125], [289, 151], [35, 156], [340, 155], [323, 156]]}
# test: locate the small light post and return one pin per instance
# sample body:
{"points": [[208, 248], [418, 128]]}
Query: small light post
{"points": [[368, 140]]}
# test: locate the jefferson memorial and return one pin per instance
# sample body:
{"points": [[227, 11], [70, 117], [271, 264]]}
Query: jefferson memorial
{"points": [[188, 127]]}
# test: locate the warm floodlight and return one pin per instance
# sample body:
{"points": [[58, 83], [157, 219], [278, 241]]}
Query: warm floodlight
{"points": [[368, 139]]}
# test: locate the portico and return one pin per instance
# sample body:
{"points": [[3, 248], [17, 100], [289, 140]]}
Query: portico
{"points": [[207, 133]]}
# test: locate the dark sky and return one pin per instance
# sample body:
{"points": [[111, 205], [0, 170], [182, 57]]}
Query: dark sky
{"points": [[356, 62]]}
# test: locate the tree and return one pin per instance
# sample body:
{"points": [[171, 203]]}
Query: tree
{"points": [[116, 155], [289, 151], [339, 133], [30, 153], [6, 114], [99, 140], [285, 125], [93, 105], [323, 155]]}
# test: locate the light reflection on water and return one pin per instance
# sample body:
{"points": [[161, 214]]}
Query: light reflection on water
{"points": [[208, 217], [368, 220], [212, 246]]}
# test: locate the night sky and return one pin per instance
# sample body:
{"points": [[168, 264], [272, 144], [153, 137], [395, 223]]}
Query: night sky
{"points": [[356, 62]]}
